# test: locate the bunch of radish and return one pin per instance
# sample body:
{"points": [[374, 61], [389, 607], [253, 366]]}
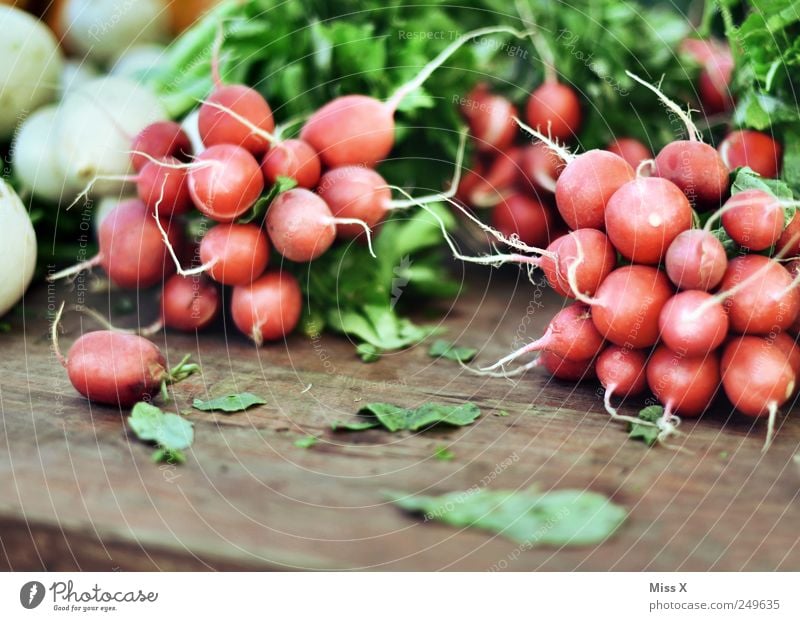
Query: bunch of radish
{"points": [[657, 302]]}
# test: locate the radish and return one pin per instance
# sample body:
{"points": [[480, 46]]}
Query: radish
{"points": [[132, 251], [644, 216], [570, 335], [35, 161], [269, 308], [159, 140], [714, 80], [569, 370], [525, 218], [630, 150], [696, 260], [30, 67], [690, 333], [17, 248], [498, 181], [753, 218], [758, 378], [355, 192], [578, 263], [218, 126], [759, 295], [790, 349], [695, 167], [188, 304], [357, 129], [490, 118], [628, 303], [756, 150], [554, 109], [684, 385], [115, 368], [224, 182], [294, 159], [234, 254], [540, 169], [789, 241], [621, 371]]}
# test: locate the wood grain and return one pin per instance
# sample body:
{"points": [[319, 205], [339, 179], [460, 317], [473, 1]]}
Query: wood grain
{"points": [[76, 492]]}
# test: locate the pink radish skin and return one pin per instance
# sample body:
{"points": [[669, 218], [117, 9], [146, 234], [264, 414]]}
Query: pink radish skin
{"points": [[696, 260], [622, 370], [630, 150], [628, 304], [714, 80], [164, 184], [756, 375], [756, 150], [789, 241], [688, 332], [160, 140], [790, 349], [499, 180], [294, 159], [355, 192], [644, 216], [300, 225], [684, 385], [555, 110], [524, 217], [269, 308], [540, 169], [115, 368], [766, 302], [236, 254], [697, 169], [599, 260], [586, 185], [217, 127], [189, 303], [753, 219], [351, 130], [491, 120], [227, 185], [568, 370]]}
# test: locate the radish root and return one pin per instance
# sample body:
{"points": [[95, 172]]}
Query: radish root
{"points": [[54, 336], [685, 116], [75, 269], [244, 121], [560, 150], [615, 415]]}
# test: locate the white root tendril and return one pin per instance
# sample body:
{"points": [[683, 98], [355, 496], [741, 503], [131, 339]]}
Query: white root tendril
{"points": [[54, 327], [612, 412], [163, 164], [668, 426], [516, 354], [771, 420], [560, 150], [364, 226], [241, 119], [75, 269], [648, 166], [684, 115], [85, 192], [518, 371], [572, 275]]}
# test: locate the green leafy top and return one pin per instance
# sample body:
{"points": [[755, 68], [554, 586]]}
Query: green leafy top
{"points": [[557, 518], [170, 432]]}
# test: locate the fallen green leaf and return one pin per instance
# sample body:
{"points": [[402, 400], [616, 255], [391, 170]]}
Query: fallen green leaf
{"points": [[229, 403], [443, 349], [170, 432], [357, 425], [646, 433], [306, 442], [557, 518], [442, 453], [396, 418]]}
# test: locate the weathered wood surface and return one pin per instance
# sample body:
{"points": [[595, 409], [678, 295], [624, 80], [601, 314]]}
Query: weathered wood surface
{"points": [[77, 492]]}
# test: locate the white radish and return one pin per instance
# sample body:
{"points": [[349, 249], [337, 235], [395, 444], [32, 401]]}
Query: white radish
{"points": [[17, 248], [30, 65]]}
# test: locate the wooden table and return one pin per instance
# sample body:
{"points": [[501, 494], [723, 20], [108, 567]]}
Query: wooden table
{"points": [[77, 492]]}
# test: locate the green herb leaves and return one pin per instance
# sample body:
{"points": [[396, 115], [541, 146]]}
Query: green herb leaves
{"points": [[229, 403], [557, 518], [646, 433], [395, 418], [171, 433], [442, 349]]}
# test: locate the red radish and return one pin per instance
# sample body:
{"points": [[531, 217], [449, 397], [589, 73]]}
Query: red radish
{"points": [[758, 295], [569, 370], [790, 349], [644, 216], [684, 385], [224, 182], [490, 118], [132, 251], [540, 169], [555, 110], [696, 260], [294, 159], [218, 127], [355, 192], [586, 185], [714, 82], [188, 303], [579, 262], [160, 140], [789, 241], [570, 335], [525, 218], [630, 150], [116, 368], [756, 150], [758, 378], [498, 181], [234, 254], [753, 219], [628, 304], [357, 129], [621, 371], [164, 181], [470, 180], [690, 333], [702, 50], [269, 308]]}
